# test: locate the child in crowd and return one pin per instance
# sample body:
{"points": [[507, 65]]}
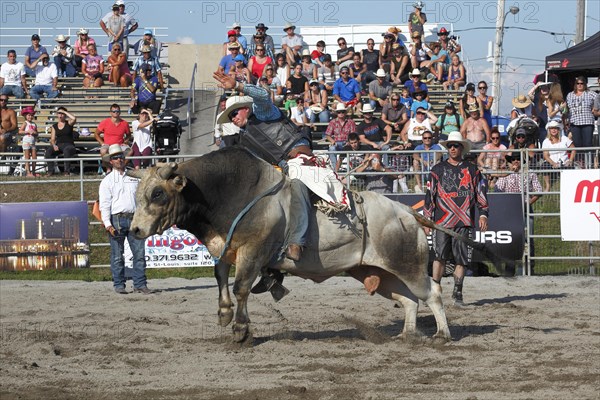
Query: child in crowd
{"points": [[406, 100], [30, 132], [290, 101], [419, 101]]}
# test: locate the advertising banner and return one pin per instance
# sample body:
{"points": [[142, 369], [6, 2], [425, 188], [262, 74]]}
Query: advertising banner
{"points": [[175, 248], [506, 224], [580, 204], [42, 236]]}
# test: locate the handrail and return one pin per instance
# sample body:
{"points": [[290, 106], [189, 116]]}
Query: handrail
{"points": [[192, 100]]}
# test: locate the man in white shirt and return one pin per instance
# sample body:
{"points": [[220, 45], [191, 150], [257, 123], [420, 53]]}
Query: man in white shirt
{"points": [[46, 79], [291, 44], [117, 205], [130, 24], [12, 77], [226, 134]]}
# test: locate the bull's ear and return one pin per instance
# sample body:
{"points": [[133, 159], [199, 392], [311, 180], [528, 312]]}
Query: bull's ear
{"points": [[179, 182]]}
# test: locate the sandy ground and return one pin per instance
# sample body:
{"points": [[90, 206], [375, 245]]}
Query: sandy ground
{"points": [[525, 338]]}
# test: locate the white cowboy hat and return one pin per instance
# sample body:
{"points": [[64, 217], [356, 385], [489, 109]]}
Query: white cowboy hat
{"points": [[367, 109], [288, 26], [380, 73], [454, 137], [305, 53], [340, 107], [316, 108], [415, 72], [554, 124], [114, 149], [233, 103], [62, 38], [473, 108], [521, 101]]}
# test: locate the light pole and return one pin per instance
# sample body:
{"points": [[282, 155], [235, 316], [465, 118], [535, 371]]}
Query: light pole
{"points": [[498, 52]]}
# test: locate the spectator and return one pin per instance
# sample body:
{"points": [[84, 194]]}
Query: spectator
{"points": [[520, 143], [344, 53], [596, 109], [385, 50], [456, 75], [231, 38], [470, 101], [581, 102], [12, 77], [130, 26], [29, 131], [282, 69], [240, 38], [522, 106], [418, 52], [492, 161], [455, 185], [406, 100], [328, 73], [113, 130], [143, 92], [274, 85], [291, 44], [240, 71], [424, 161], [556, 105], [475, 129], [118, 70], [352, 160], [142, 139], [62, 140], [379, 90], [439, 63], [297, 84], [258, 41], [556, 159], [380, 183], [8, 124], [113, 24], [81, 47], [370, 57], [486, 102], [338, 131], [32, 55], [415, 82], [290, 101], [412, 133], [300, 116], [63, 55], [394, 113], [261, 29], [150, 41], [46, 79], [539, 95], [399, 162], [317, 99], [419, 101], [117, 205], [449, 121], [92, 67], [346, 90], [227, 62], [416, 20], [226, 134], [257, 63], [358, 71], [309, 70], [374, 132], [146, 59], [318, 54], [399, 64], [450, 45]]}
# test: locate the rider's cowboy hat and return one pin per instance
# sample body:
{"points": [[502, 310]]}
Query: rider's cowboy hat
{"points": [[521, 101], [233, 103], [456, 137]]}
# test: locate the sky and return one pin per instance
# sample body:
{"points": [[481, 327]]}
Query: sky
{"points": [[525, 46]]}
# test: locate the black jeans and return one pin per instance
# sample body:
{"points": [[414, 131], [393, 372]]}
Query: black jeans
{"points": [[68, 150]]}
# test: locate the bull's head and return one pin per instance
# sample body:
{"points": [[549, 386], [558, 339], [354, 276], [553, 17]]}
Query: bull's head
{"points": [[158, 199]]}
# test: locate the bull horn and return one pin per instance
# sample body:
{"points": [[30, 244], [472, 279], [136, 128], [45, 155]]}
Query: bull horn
{"points": [[166, 170], [137, 173]]}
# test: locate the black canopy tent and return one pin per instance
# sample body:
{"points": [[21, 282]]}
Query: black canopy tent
{"points": [[583, 59]]}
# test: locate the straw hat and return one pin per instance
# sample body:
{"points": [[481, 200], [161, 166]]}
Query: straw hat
{"points": [[113, 150], [456, 137], [473, 108], [521, 101], [62, 38], [233, 103], [288, 26]]}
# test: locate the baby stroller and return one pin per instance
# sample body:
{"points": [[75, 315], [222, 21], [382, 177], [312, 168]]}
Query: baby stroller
{"points": [[165, 134], [524, 123]]}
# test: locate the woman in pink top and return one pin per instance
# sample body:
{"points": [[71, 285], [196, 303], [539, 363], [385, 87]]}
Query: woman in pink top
{"points": [[81, 46], [118, 69]]}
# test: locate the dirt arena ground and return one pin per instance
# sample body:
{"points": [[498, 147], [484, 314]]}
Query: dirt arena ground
{"points": [[525, 338]]}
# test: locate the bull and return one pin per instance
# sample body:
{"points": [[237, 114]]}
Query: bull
{"points": [[388, 252]]}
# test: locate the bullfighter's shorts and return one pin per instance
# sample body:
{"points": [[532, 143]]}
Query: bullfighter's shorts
{"points": [[446, 247]]}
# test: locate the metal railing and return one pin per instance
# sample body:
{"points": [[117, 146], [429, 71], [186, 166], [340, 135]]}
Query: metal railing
{"points": [[191, 105]]}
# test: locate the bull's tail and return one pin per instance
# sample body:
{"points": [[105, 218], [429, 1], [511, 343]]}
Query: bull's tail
{"points": [[499, 262]]}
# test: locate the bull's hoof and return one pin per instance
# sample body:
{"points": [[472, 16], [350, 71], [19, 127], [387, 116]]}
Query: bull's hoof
{"points": [[225, 316], [240, 333], [442, 337], [411, 337]]}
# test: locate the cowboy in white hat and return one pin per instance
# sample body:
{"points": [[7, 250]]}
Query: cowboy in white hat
{"points": [[374, 132], [453, 192], [380, 89], [291, 44], [64, 57]]}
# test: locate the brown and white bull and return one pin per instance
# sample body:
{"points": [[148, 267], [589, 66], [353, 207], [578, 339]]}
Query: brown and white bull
{"points": [[204, 196]]}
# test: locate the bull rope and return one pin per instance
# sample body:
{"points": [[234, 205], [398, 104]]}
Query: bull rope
{"points": [[245, 210], [362, 218]]}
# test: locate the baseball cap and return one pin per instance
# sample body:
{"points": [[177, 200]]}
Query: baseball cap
{"points": [[148, 32], [35, 36]]}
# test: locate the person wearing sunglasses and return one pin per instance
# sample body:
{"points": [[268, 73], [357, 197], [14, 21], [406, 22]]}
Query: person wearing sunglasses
{"points": [[522, 141], [492, 160], [412, 131], [453, 192], [425, 160], [346, 90], [117, 206], [486, 101], [62, 140], [581, 103], [344, 53], [113, 130]]}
